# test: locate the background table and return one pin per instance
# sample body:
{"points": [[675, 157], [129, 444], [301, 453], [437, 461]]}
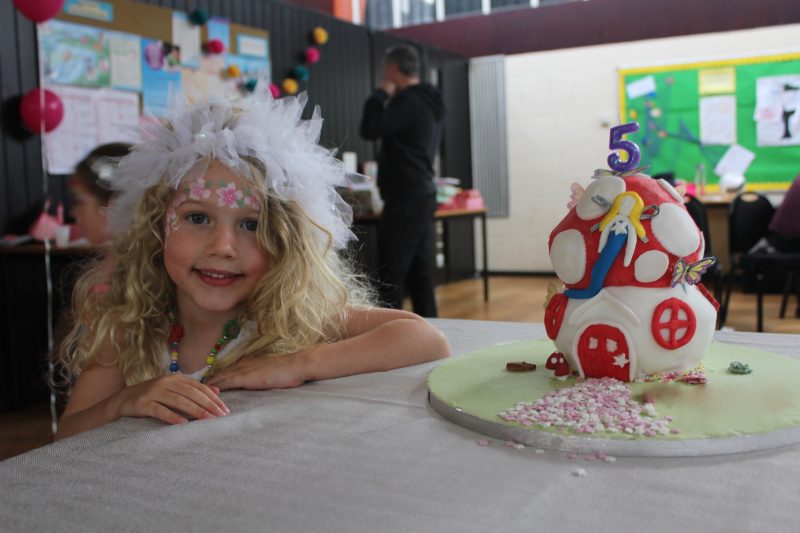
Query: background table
{"points": [[455, 244], [366, 453]]}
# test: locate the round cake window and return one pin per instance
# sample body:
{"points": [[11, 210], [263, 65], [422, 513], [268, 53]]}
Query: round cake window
{"points": [[673, 323]]}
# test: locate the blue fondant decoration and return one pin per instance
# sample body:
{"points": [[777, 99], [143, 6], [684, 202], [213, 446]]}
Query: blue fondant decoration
{"points": [[600, 269]]}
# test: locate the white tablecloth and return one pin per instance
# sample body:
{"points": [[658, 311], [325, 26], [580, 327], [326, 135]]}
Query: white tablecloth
{"points": [[366, 453]]}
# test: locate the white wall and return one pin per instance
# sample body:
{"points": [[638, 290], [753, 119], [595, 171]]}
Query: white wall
{"points": [[559, 105]]}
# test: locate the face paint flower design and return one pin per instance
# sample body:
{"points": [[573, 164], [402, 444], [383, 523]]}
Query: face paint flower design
{"points": [[198, 190], [251, 200], [229, 196], [171, 220]]}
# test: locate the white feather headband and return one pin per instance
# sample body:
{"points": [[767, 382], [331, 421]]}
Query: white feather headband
{"points": [[267, 130]]}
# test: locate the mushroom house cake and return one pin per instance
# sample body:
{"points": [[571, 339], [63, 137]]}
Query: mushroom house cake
{"points": [[630, 258]]}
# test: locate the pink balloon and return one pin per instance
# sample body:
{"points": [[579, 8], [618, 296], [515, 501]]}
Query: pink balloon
{"points": [[275, 90], [312, 54], [39, 10], [33, 114]]}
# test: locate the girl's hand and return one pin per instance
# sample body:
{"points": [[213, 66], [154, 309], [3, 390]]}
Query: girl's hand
{"points": [[261, 373], [170, 399]]}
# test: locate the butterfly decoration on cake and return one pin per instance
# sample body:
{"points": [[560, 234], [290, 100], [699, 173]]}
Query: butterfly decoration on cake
{"points": [[690, 273]]}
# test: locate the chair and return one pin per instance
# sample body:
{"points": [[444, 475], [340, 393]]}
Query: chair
{"points": [[716, 274], [748, 222]]}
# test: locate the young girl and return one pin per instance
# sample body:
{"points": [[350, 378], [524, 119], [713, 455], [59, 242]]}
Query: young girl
{"points": [[226, 274], [89, 188]]}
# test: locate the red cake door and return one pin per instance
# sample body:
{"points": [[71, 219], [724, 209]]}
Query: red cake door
{"points": [[603, 352]]}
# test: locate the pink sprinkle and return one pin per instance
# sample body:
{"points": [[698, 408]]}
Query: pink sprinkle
{"points": [[572, 456], [483, 442]]}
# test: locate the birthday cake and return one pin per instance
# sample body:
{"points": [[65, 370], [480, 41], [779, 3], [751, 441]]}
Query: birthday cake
{"points": [[631, 259], [635, 371]]}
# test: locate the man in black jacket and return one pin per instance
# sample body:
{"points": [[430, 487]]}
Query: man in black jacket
{"points": [[406, 115]]}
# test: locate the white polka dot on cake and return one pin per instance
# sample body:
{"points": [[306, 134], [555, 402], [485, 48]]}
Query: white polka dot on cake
{"points": [[606, 188], [568, 255], [650, 266], [675, 230]]}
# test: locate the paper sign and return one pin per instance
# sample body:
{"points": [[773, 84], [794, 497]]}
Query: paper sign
{"points": [[91, 117], [248, 45], [103, 11], [716, 81], [641, 87], [126, 61], [718, 120], [159, 76], [777, 113], [74, 54], [186, 36], [735, 161]]}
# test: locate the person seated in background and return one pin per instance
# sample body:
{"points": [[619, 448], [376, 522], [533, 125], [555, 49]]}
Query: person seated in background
{"points": [[88, 187], [784, 229]]}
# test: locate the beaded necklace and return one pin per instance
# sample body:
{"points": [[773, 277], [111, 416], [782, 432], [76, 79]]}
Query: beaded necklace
{"points": [[230, 330]]}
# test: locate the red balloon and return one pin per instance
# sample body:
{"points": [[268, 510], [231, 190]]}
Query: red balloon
{"points": [[39, 10], [215, 46], [33, 114]]}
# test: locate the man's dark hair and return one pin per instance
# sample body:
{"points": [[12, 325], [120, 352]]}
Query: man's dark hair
{"points": [[405, 57]]}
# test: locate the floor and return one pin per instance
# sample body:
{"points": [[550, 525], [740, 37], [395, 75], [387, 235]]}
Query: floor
{"points": [[512, 299]]}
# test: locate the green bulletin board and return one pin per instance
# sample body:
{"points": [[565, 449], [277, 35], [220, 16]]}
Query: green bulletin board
{"points": [[667, 106]]}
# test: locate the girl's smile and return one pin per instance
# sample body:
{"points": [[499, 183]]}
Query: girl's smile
{"points": [[217, 278]]}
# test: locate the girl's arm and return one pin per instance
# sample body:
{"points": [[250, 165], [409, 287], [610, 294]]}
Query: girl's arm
{"points": [[100, 396], [375, 340]]}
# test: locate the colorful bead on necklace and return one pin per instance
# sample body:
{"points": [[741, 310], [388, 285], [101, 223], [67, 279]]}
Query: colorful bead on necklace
{"points": [[229, 332]]}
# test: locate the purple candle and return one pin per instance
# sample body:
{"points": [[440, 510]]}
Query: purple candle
{"points": [[616, 143]]}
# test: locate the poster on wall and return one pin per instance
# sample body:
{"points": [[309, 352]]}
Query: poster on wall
{"points": [[187, 36], [126, 61], [718, 120], [73, 54], [161, 75], [777, 113], [91, 117]]}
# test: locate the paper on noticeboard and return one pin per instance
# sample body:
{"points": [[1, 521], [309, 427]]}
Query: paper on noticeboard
{"points": [[777, 113], [735, 161], [82, 128], [716, 81], [641, 87], [186, 36], [718, 120], [126, 61]]}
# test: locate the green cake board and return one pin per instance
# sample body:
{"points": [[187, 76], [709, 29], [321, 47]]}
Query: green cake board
{"points": [[731, 413]]}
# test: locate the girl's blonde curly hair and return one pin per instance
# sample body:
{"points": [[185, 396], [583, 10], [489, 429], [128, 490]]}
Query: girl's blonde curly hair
{"points": [[301, 302]]}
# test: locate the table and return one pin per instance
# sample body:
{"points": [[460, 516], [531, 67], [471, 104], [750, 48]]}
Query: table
{"points": [[366, 453], [450, 214]]}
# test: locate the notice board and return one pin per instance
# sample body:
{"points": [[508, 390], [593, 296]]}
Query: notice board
{"points": [[692, 115]]}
